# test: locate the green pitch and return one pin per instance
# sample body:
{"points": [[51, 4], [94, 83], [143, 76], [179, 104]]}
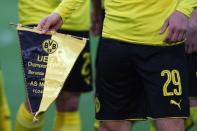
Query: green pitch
{"points": [[10, 59]]}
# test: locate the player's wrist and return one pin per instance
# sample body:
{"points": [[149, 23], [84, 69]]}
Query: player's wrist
{"points": [[192, 26], [57, 15]]}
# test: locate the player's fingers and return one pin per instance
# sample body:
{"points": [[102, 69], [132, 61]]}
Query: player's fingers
{"points": [[164, 27], [181, 36], [187, 43], [189, 46], [58, 25], [168, 39], [175, 36], [46, 26], [41, 24]]}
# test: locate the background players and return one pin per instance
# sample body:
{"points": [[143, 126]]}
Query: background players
{"points": [[191, 49], [5, 118]]}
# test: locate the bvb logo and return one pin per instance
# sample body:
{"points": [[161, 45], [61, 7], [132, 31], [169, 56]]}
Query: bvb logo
{"points": [[49, 46], [97, 104]]}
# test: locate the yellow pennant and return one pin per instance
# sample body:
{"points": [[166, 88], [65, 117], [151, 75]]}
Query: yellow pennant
{"points": [[47, 60]]}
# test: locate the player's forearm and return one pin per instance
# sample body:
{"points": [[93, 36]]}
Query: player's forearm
{"points": [[67, 7], [191, 35], [96, 18], [187, 6], [97, 6]]}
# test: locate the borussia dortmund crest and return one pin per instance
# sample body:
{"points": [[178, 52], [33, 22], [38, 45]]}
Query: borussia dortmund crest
{"points": [[49, 46]]}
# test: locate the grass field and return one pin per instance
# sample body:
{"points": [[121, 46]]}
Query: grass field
{"points": [[10, 59]]}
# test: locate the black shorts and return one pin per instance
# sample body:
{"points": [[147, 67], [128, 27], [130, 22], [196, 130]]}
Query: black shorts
{"points": [[79, 79], [138, 81], [192, 70]]}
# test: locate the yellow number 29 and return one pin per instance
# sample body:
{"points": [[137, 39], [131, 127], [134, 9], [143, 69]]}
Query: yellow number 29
{"points": [[174, 77]]}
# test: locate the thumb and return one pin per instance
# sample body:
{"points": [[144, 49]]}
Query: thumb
{"points": [[164, 27], [41, 24], [58, 25], [46, 26]]}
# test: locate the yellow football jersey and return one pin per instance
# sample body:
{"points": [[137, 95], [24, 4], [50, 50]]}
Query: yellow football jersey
{"points": [[75, 13], [140, 21]]}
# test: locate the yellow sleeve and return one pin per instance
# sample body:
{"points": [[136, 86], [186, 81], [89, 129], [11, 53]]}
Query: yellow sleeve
{"points": [[187, 6], [66, 7]]}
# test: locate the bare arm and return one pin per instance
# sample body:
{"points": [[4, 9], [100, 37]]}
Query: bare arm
{"points": [[191, 36], [96, 17]]}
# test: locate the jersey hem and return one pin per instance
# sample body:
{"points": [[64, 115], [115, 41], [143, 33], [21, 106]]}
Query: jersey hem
{"points": [[150, 43]]}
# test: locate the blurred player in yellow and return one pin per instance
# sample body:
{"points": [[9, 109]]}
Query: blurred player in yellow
{"points": [[5, 122], [74, 15], [191, 49]]}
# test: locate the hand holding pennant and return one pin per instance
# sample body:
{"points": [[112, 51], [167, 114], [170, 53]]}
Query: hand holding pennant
{"points": [[47, 61]]}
